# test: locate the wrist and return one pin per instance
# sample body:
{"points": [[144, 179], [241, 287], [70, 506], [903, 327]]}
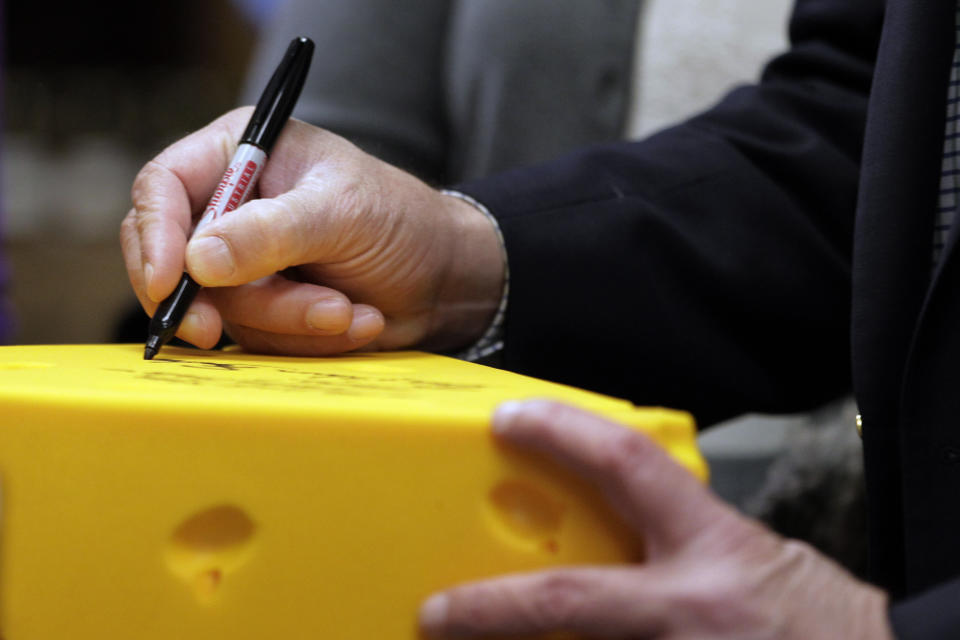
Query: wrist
{"points": [[876, 614], [845, 606], [472, 291]]}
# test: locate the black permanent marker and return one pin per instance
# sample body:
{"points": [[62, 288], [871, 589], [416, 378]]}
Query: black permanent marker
{"points": [[272, 112]]}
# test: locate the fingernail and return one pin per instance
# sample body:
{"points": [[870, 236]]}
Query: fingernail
{"points": [[210, 259], [366, 324], [331, 315], [504, 414], [433, 613]]}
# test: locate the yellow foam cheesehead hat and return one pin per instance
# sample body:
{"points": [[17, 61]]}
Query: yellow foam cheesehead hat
{"points": [[222, 495]]}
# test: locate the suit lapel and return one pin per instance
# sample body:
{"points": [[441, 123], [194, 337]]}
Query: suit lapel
{"points": [[893, 244], [898, 197]]}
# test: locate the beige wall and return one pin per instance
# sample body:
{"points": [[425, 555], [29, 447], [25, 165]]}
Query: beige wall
{"points": [[693, 51]]}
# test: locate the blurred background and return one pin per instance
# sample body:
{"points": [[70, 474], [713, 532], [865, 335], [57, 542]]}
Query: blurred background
{"points": [[90, 94], [94, 91]]}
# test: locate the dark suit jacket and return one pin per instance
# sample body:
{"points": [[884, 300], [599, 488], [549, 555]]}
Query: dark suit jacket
{"points": [[733, 263]]}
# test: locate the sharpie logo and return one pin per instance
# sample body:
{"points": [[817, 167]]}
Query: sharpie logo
{"points": [[241, 186], [218, 194]]}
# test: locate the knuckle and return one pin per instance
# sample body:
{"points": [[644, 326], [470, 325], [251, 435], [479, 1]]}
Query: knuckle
{"points": [[796, 549], [470, 610], [554, 412], [238, 116], [352, 196], [129, 224], [225, 129], [707, 600], [269, 225], [557, 600], [630, 463], [144, 181], [141, 225], [128, 244], [298, 224], [796, 554], [623, 453], [729, 602]]}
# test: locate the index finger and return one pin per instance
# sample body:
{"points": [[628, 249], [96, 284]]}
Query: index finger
{"points": [[656, 497], [171, 189]]}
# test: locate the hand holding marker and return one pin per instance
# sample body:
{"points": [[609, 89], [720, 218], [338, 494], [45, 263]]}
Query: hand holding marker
{"points": [[272, 112]]}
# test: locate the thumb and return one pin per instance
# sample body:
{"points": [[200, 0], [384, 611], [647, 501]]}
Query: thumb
{"points": [[597, 602], [260, 238]]}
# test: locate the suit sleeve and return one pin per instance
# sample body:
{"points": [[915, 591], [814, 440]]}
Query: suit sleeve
{"points": [[707, 267], [929, 616]]}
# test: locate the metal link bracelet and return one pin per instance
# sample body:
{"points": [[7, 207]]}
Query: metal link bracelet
{"points": [[491, 342]]}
